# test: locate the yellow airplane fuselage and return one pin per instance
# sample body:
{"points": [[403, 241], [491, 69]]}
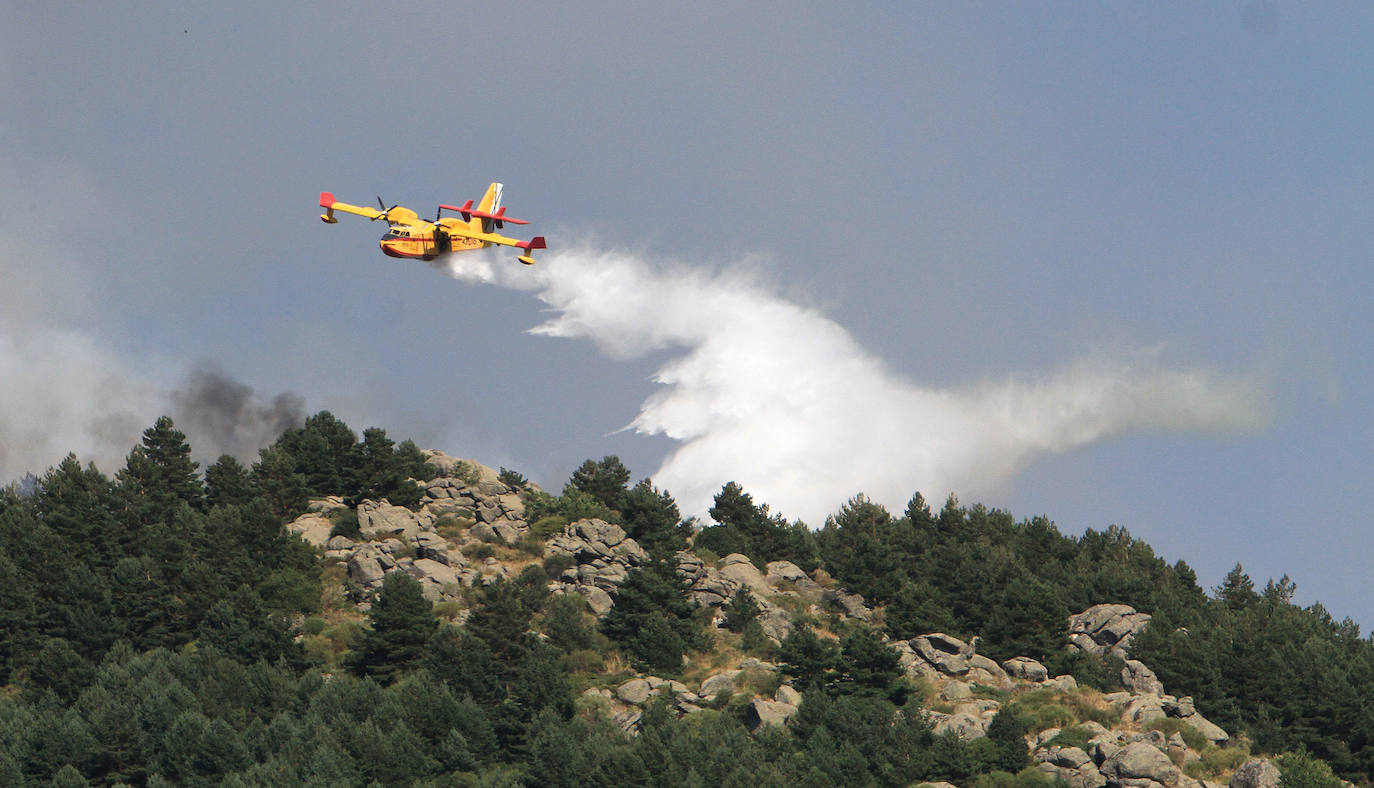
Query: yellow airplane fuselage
{"points": [[424, 243]]}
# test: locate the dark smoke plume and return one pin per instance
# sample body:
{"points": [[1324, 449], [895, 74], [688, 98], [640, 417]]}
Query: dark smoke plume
{"points": [[220, 415]]}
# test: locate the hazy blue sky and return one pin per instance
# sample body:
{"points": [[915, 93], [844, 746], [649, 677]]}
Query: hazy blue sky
{"points": [[976, 196]]}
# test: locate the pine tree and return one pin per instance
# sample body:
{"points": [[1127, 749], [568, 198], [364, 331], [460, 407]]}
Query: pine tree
{"points": [[811, 661], [275, 476], [652, 519], [159, 476], [402, 623], [653, 592], [227, 483], [604, 481]]}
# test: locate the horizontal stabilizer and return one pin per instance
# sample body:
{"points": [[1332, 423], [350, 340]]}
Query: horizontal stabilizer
{"points": [[465, 210]]}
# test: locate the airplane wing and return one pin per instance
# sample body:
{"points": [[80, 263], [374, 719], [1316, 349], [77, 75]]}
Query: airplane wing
{"points": [[463, 231], [393, 215]]}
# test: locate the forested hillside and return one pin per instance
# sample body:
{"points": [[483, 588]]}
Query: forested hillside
{"points": [[357, 611]]}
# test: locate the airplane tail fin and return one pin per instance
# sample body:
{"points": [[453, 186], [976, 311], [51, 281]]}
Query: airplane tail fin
{"points": [[491, 203]]}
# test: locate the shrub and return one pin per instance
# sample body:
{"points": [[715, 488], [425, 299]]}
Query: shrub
{"points": [[451, 525], [448, 609], [1216, 761], [464, 472], [545, 528], [1029, 777], [530, 545], [478, 551], [1301, 770], [1072, 736], [558, 563], [1090, 708], [512, 479], [313, 626], [1043, 709], [583, 661], [345, 524], [342, 635]]}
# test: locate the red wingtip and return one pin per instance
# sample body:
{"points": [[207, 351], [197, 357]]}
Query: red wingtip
{"points": [[327, 200]]}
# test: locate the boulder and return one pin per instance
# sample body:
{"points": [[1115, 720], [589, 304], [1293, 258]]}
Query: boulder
{"points": [[776, 623], [740, 569], [598, 600], [985, 670], [1255, 773], [1139, 678], [846, 604], [689, 565], [447, 466], [713, 589], [965, 726], [1143, 709], [956, 691], [488, 511], [1211, 731], [313, 528], [783, 571], [1068, 757], [589, 539], [628, 721], [634, 692], [1141, 761], [1106, 629], [512, 505], [1026, 669], [427, 569], [483, 532], [325, 505], [721, 682], [761, 713], [379, 519], [506, 531], [787, 694], [1065, 683], [1070, 764], [435, 547], [365, 570], [946, 654]]}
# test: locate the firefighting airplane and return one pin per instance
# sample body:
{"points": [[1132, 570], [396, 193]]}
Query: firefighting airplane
{"points": [[410, 236]]}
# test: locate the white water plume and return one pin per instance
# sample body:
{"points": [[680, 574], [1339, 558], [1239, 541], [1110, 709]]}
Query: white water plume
{"points": [[781, 399]]}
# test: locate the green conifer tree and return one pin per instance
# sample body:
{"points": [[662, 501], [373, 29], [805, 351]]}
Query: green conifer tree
{"points": [[402, 623]]}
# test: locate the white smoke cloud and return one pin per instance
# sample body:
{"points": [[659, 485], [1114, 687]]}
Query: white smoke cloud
{"points": [[63, 391], [64, 388], [778, 397]]}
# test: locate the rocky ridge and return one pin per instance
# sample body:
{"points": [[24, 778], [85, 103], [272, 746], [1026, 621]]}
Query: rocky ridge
{"points": [[467, 502], [468, 506]]}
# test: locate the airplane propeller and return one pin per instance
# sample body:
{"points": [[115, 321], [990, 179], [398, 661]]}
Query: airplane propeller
{"points": [[386, 212]]}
